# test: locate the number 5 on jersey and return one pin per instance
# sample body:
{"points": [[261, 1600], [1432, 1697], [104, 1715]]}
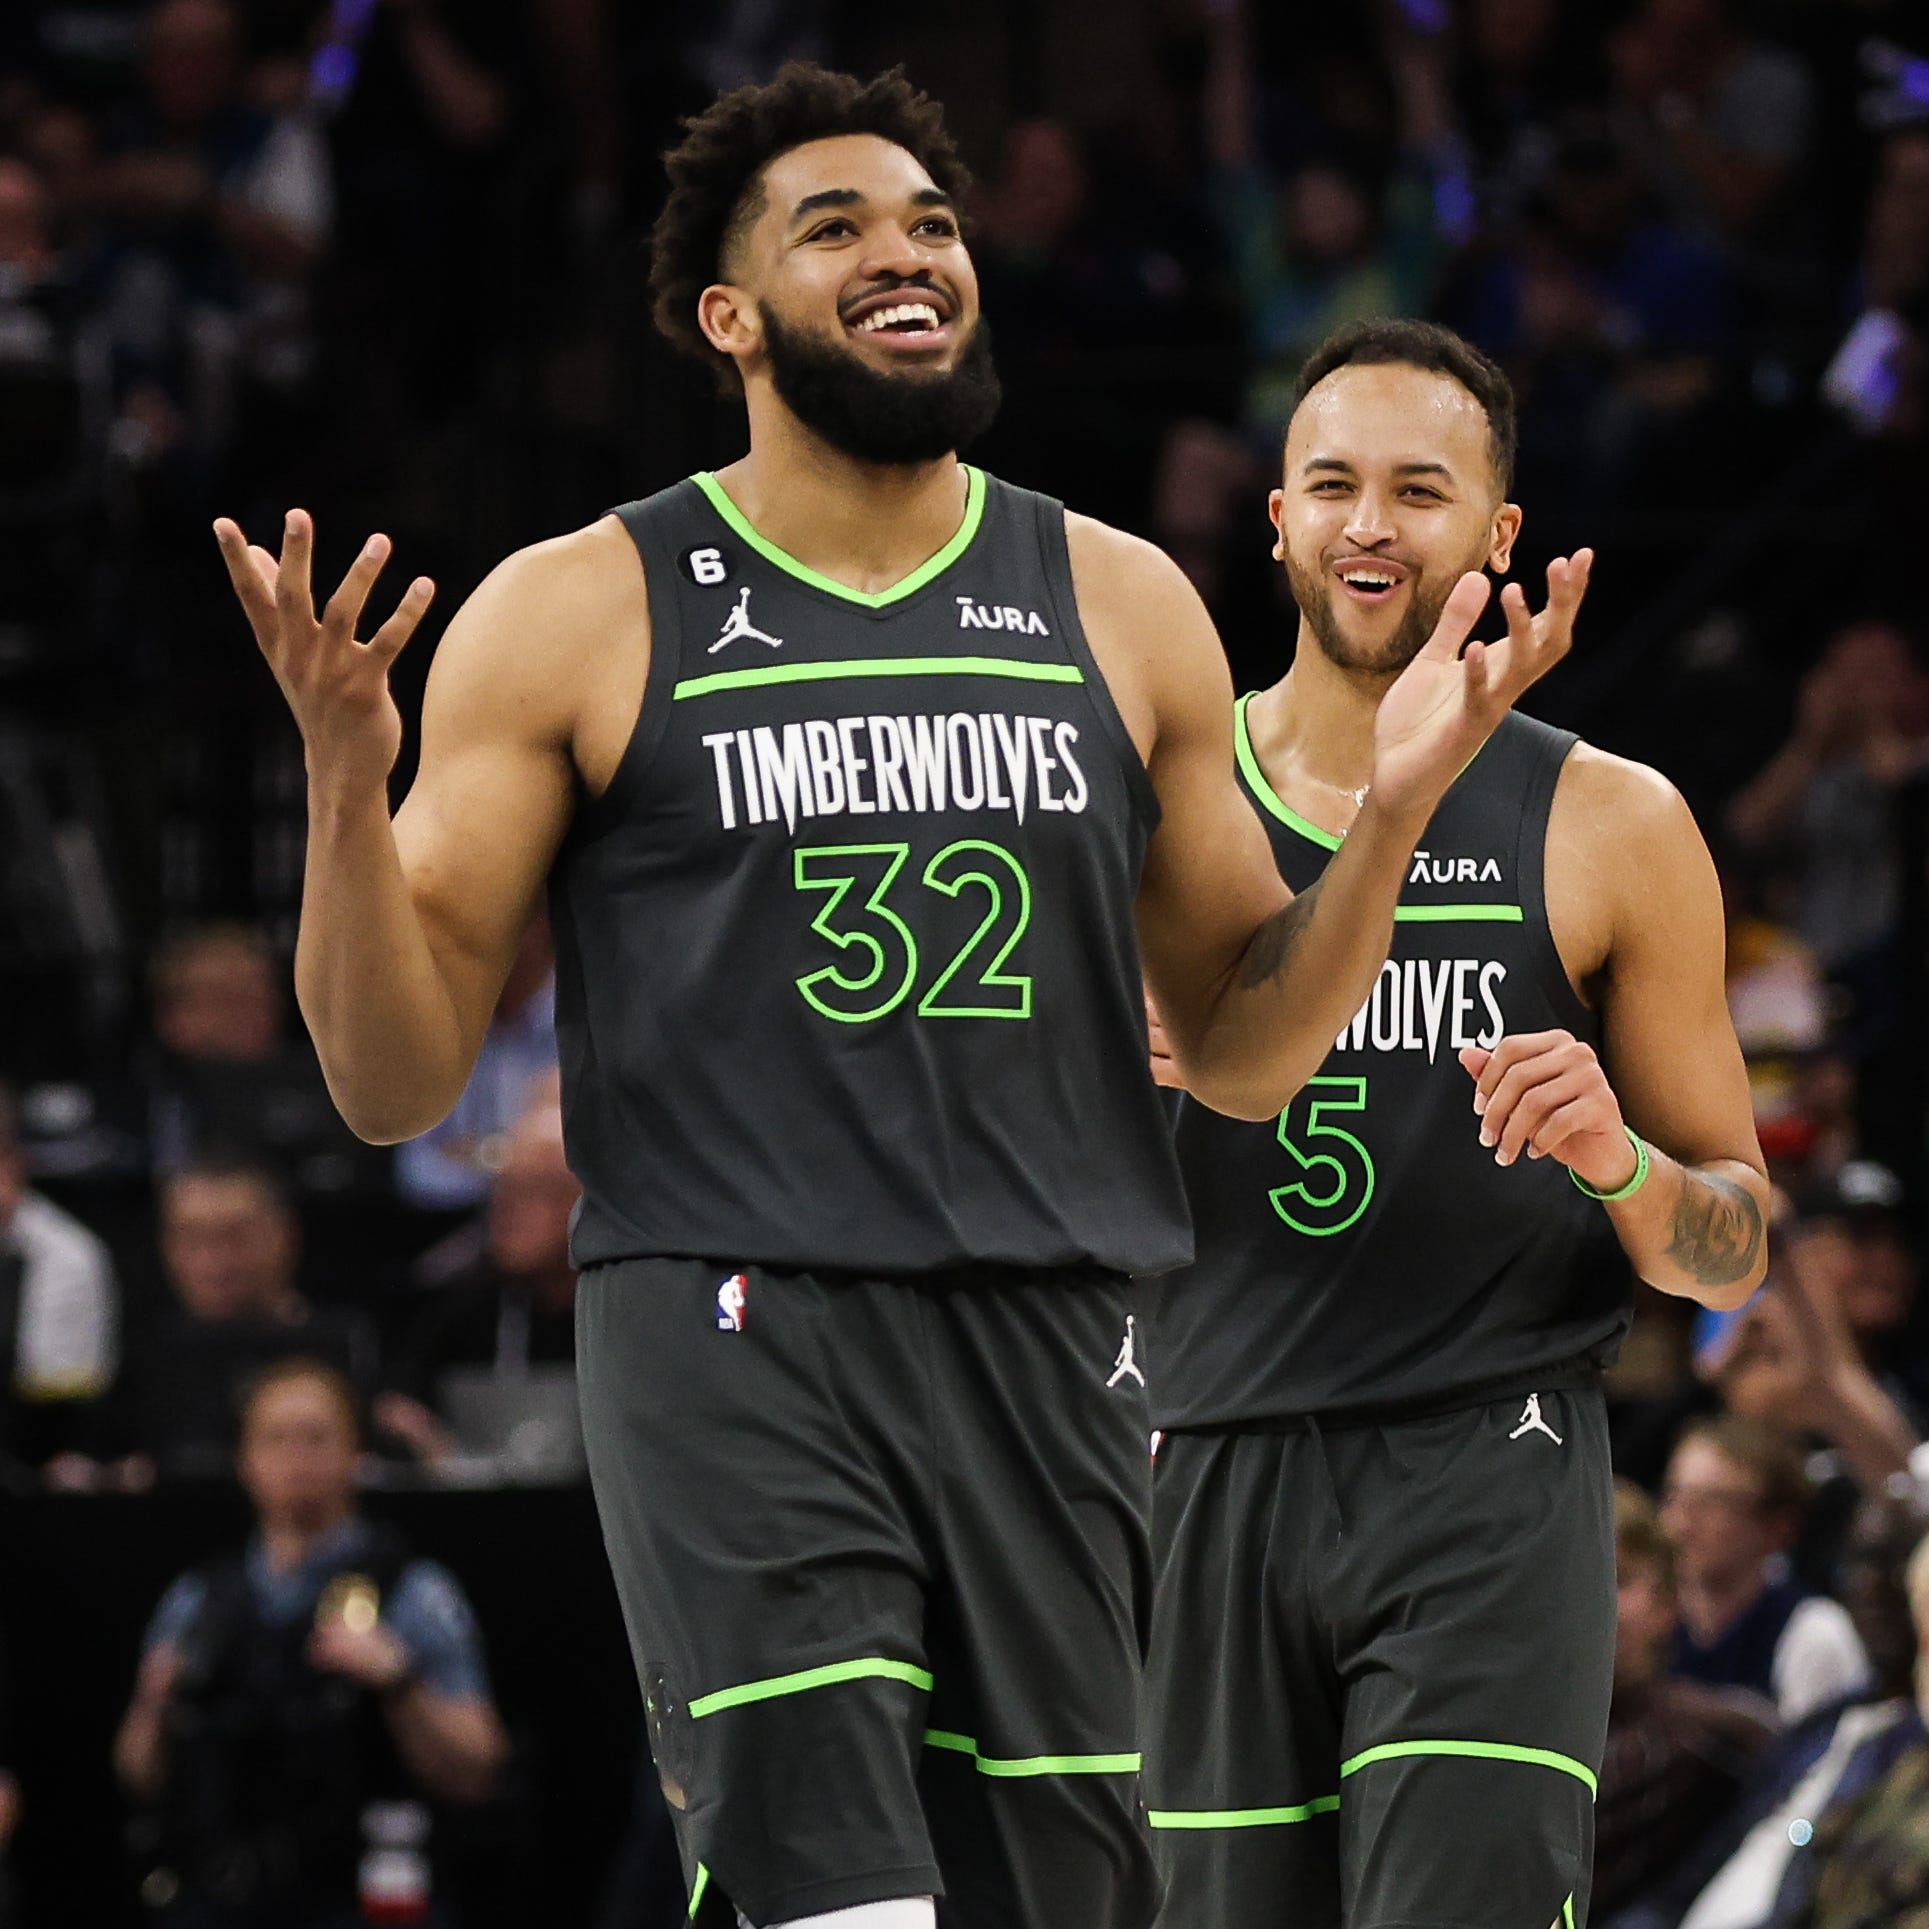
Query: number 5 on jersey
{"points": [[1335, 1183]]}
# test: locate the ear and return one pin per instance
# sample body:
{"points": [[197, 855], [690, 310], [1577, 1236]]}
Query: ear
{"points": [[1275, 508], [729, 320], [1500, 549]]}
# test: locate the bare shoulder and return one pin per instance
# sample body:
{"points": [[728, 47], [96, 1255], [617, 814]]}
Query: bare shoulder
{"points": [[1609, 805], [1115, 574], [554, 638]]}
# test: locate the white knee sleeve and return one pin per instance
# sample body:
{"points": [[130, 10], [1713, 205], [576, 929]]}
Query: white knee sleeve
{"points": [[904, 1912]]}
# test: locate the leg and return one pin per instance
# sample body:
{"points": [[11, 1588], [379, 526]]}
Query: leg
{"points": [[1242, 1712], [1480, 1581], [769, 1574], [1031, 1777]]}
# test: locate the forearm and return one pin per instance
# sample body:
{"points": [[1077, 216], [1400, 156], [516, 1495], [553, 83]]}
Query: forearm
{"points": [[140, 1749], [455, 1748], [381, 1014], [1303, 976], [1870, 1430], [1698, 1232], [1760, 813]]}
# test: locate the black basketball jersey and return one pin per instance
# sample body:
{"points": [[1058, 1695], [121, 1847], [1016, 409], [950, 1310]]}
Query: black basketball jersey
{"points": [[847, 975], [1364, 1253]]}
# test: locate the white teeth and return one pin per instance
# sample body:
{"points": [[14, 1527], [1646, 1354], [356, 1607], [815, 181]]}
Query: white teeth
{"points": [[919, 311], [1366, 579]]}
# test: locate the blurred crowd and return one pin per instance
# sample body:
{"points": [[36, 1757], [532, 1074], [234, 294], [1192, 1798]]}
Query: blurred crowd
{"points": [[380, 257]]}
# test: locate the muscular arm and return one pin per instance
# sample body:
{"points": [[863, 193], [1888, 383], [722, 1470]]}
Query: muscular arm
{"points": [[1623, 848], [453, 1745], [408, 929], [1253, 984]]}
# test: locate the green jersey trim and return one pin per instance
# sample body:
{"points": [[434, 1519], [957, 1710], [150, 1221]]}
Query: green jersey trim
{"points": [[1033, 1764], [1267, 795], [872, 1667], [1567, 1912], [1485, 1751], [934, 566], [1005, 666], [1459, 914], [1241, 1818], [696, 1891]]}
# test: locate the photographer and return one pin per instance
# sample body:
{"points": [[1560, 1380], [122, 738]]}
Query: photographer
{"points": [[303, 1695]]}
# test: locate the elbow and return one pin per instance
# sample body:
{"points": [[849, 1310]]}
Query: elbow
{"points": [[1239, 1095], [1732, 1295]]}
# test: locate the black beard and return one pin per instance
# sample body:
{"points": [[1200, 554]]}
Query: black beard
{"points": [[1315, 598], [890, 419]]}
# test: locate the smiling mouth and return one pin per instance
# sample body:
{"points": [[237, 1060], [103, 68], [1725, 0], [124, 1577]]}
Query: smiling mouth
{"points": [[901, 318]]}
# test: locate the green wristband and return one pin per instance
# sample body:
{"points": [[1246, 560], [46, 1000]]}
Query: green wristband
{"points": [[1642, 1166]]}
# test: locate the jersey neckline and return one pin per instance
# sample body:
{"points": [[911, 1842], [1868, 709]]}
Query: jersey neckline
{"points": [[932, 567], [1256, 780]]}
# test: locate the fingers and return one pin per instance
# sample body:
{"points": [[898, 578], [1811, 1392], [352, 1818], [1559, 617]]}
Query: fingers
{"points": [[344, 609], [254, 590], [1520, 1109], [1458, 615], [1511, 1051], [388, 640], [1473, 1060]]}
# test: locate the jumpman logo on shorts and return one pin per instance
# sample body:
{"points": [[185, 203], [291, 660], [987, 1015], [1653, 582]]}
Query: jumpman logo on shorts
{"points": [[737, 626], [1126, 1362], [1531, 1422]]}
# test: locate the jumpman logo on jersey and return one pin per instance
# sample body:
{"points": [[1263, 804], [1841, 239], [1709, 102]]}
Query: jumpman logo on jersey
{"points": [[1531, 1422], [737, 626], [1126, 1362]]}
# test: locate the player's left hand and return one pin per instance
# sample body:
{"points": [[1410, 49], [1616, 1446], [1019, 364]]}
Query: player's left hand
{"points": [[1544, 1093]]}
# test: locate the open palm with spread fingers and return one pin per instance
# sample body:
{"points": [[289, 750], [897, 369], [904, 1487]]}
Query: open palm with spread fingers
{"points": [[337, 687], [1447, 702]]}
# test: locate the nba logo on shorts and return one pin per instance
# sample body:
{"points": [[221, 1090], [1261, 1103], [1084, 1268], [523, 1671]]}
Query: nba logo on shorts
{"points": [[731, 1297]]}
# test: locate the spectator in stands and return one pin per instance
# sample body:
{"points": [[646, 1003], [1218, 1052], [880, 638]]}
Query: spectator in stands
{"points": [[230, 1243], [1733, 1505], [1824, 803], [1876, 376], [1756, 1870], [284, 1689], [449, 1166], [1677, 1753], [227, 1079], [214, 215], [9, 1814], [488, 1370], [59, 1313]]}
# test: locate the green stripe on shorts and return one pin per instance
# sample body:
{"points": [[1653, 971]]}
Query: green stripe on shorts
{"points": [[871, 1667], [1033, 1764], [1486, 1751], [696, 1893], [1240, 1818]]}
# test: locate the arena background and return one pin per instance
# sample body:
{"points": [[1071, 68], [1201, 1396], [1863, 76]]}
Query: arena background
{"points": [[384, 259]]}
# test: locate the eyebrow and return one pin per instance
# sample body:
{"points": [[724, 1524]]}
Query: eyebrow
{"points": [[1339, 465], [852, 197]]}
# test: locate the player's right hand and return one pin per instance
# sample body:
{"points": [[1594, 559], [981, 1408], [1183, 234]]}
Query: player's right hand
{"points": [[337, 687]]}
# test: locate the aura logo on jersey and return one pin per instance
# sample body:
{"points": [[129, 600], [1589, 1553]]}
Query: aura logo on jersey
{"points": [[1422, 1004], [857, 766], [974, 615], [1428, 869]]}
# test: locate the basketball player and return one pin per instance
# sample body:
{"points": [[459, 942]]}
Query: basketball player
{"points": [[1383, 1630], [849, 770]]}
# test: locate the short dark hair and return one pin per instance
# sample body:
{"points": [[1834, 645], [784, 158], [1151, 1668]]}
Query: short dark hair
{"points": [[1421, 344], [221, 1167], [1770, 1453], [714, 172], [299, 1369]]}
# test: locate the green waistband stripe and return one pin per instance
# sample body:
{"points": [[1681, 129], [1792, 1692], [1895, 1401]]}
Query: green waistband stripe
{"points": [[1241, 1818], [1033, 1764], [696, 1892], [1005, 666], [1485, 1751], [932, 566], [1567, 1912], [1459, 914], [873, 1667]]}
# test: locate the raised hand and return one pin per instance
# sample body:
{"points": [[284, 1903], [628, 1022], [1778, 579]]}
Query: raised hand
{"points": [[336, 687], [1447, 702]]}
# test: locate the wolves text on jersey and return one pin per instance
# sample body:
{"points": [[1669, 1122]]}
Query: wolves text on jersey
{"points": [[1419, 1004]]}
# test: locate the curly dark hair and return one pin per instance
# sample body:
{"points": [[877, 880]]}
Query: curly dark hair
{"points": [[1422, 344], [715, 172]]}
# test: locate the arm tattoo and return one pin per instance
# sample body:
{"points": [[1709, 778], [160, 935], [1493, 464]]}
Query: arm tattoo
{"points": [[1717, 1229], [1274, 943]]}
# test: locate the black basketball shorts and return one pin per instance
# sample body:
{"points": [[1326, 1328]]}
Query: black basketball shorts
{"points": [[882, 1550], [1381, 1661]]}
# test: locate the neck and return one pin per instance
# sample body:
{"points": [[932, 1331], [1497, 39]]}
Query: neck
{"points": [[1712, 1603], [1312, 732], [866, 525], [290, 1540]]}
